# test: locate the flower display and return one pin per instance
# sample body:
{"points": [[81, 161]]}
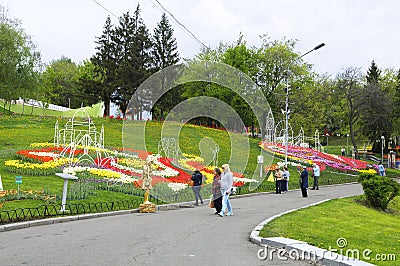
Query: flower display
{"points": [[306, 156], [121, 165]]}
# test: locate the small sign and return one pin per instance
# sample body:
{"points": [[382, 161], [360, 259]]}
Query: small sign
{"points": [[260, 159], [18, 179]]}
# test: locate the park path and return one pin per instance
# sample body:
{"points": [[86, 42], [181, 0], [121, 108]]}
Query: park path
{"points": [[189, 236]]}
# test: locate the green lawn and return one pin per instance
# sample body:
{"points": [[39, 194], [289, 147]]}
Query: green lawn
{"points": [[362, 227]]}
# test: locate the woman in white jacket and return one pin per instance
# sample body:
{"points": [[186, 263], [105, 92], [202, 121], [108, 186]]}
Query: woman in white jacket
{"points": [[226, 186]]}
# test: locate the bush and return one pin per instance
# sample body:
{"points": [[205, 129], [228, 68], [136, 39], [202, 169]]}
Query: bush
{"points": [[379, 190]]}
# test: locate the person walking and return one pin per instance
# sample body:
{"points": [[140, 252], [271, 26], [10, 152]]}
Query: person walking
{"points": [[226, 186], [343, 151], [316, 174], [381, 169], [286, 176], [304, 182], [197, 179], [216, 190], [278, 181]]}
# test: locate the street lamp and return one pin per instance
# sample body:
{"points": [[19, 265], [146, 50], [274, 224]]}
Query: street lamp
{"points": [[383, 145], [347, 145], [287, 98]]}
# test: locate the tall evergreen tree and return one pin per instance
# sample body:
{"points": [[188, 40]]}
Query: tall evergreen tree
{"points": [[105, 65], [164, 54], [165, 49], [133, 44], [373, 74]]}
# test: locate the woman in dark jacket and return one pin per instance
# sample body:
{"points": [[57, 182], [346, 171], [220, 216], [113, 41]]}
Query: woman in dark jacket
{"points": [[216, 191], [197, 179]]}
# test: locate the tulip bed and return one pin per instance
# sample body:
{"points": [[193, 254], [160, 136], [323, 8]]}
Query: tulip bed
{"points": [[306, 156], [123, 168]]}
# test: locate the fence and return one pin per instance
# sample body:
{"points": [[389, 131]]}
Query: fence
{"points": [[47, 211]]}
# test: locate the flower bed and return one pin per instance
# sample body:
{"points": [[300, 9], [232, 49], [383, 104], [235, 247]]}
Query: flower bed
{"points": [[307, 156], [125, 166]]}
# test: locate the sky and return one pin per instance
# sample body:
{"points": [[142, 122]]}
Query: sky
{"points": [[355, 31]]}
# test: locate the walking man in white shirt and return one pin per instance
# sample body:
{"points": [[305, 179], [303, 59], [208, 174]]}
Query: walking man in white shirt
{"points": [[316, 174]]}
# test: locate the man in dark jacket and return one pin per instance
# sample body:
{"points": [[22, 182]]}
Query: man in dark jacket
{"points": [[304, 182], [197, 179]]}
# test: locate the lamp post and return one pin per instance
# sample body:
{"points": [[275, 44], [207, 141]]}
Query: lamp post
{"points": [[287, 98], [383, 145], [347, 144]]}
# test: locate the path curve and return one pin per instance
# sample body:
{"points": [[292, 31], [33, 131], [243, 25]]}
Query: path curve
{"points": [[191, 236]]}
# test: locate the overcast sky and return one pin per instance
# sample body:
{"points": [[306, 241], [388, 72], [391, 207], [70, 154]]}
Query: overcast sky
{"points": [[355, 31]]}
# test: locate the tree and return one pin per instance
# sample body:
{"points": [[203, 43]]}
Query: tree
{"points": [[396, 107], [164, 54], [349, 86], [165, 49], [105, 65], [376, 118], [61, 78], [88, 83], [276, 61], [133, 59], [20, 62], [373, 74]]}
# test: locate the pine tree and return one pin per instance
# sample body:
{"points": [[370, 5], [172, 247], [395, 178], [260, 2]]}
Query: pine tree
{"points": [[105, 64], [165, 49], [134, 61], [164, 54], [373, 74]]}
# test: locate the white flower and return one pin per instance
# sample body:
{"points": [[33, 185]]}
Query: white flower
{"points": [[245, 180], [177, 186], [44, 154]]}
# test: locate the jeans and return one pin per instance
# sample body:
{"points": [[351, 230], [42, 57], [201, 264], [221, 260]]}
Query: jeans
{"points": [[315, 185], [225, 201], [196, 190]]}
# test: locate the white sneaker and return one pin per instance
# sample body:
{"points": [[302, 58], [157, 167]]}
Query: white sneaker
{"points": [[229, 214]]}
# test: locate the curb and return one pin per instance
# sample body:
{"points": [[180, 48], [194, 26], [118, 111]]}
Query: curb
{"points": [[296, 247]]}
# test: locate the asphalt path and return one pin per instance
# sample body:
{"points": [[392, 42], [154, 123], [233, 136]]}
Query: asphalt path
{"points": [[188, 236]]}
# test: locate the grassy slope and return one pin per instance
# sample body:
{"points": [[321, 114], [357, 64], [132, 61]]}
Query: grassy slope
{"points": [[322, 225]]}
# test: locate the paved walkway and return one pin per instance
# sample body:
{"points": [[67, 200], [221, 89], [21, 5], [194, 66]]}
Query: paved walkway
{"points": [[192, 236]]}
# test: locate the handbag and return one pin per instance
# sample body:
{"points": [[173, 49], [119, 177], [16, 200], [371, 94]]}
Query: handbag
{"points": [[211, 203]]}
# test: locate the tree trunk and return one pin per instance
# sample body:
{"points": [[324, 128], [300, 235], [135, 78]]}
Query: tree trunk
{"points": [[106, 112]]}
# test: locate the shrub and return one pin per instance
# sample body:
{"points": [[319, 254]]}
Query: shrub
{"points": [[379, 190]]}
